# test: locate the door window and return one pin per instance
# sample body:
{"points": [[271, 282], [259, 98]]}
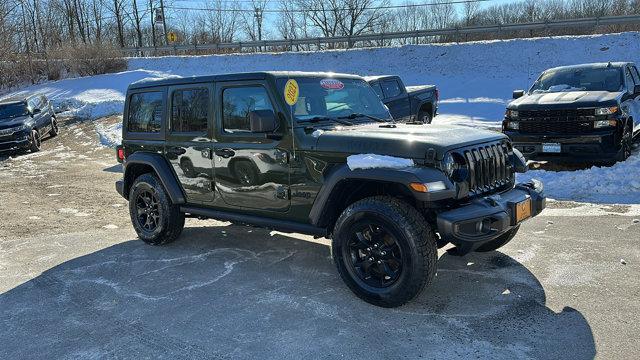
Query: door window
{"points": [[635, 75], [391, 88], [376, 87], [238, 102], [145, 112], [190, 110]]}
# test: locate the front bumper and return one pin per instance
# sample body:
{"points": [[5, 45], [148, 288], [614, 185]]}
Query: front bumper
{"points": [[601, 146], [486, 218]]}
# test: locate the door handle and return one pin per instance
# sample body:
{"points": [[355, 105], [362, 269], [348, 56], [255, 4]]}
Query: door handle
{"points": [[225, 153], [176, 151]]}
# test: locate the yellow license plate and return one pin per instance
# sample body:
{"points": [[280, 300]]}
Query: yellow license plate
{"points": [[523, 210]]}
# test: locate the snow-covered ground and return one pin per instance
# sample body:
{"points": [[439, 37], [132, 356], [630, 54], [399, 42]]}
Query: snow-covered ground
{"points": [[475, 81]]}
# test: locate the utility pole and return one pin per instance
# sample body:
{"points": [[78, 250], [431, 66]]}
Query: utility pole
{"points": [[153, 28], [258, 11], [164, 23]]}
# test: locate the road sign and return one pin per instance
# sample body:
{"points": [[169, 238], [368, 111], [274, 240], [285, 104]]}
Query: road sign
{"points": [[172, 37]]}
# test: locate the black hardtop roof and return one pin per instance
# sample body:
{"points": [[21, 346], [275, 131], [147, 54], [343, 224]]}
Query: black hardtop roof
{"points": [[260, 75], [617, 64]]}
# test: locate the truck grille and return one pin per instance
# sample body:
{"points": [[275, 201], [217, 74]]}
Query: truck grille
{"points": [[489, 167], [571, 121]]}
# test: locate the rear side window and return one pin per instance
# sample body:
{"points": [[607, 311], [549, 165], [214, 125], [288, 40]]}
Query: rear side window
{"points": [[391, 88], [238, 102], [189, 110], [145, 112]]}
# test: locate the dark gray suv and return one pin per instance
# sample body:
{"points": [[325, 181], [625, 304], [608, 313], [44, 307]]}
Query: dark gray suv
{"points": [[24, 121]]}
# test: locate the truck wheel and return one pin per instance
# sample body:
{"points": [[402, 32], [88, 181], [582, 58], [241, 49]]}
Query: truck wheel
{"points": [[54, 127], [384, 250], [424, 116], [156, 220], [35, 141], [625, 145], [499, 242]]}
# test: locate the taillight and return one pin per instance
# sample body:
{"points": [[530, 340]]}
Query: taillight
{"points": [[120, 153]]}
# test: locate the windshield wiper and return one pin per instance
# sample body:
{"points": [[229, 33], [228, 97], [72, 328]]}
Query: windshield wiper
{"points": [[358, 115], [327, 118]]}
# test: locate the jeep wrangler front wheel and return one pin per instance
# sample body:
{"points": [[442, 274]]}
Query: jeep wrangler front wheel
{"points": [[156, 220], [384, 250]]}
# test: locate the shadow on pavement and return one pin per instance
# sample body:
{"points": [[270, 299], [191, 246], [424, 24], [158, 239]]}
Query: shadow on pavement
{"points": [[114, 169], [239, 292]]}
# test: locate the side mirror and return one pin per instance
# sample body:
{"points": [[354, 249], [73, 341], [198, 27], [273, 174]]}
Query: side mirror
{"points": [[518, 94], [636, 90], [263, 121]]}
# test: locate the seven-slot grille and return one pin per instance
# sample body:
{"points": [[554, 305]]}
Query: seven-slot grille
{"points": [[489, 167], [563, 121]]}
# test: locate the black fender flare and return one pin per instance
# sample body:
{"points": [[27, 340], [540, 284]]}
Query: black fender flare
{"points": [[162, 169], [327, 196]]}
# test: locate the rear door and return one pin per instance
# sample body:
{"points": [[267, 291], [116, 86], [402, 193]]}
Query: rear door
{"points": [[188, 143], [252, 169], [396, 99]]}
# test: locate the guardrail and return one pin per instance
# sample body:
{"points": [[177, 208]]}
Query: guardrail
{"points": [[270, 45]]}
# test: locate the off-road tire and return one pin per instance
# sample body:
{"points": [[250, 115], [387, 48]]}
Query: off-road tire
{"points": [[424, 116], [35, 142], [414, 237], [499, 242], [170, 220], [55, 130]]}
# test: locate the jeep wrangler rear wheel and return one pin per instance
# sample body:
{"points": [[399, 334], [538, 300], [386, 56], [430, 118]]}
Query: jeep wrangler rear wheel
{"points": [[384, 250], [499, 242], [156, 220]]}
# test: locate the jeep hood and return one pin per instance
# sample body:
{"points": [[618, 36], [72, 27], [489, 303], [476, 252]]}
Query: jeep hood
{"points": [[406, 141], [7, 123], [564, 99]]}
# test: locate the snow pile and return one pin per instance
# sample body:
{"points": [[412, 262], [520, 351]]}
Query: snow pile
{"points": [[110, 135], [619, 184], [371, 161]]}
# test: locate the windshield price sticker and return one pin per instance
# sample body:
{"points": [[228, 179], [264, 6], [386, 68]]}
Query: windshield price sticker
{"points": [[331, 84], [291, 92]]}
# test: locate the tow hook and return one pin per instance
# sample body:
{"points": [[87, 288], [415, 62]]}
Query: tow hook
{"points": [[492, 200]]}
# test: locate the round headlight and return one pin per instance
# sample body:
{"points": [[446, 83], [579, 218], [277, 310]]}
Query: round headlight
{"points": [[449, 164]]}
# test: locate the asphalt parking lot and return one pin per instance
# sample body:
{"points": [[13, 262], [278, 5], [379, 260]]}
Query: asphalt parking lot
{"points": [[76, 283]]}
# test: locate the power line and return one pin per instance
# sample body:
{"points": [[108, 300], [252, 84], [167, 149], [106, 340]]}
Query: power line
{"points": [[387, 7]]}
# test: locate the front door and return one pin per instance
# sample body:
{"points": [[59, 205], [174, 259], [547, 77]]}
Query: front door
{"points": [[252, 169], [188, 146]]}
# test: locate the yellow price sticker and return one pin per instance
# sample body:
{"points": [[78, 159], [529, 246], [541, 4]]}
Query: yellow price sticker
{"points": [[291, 92]]}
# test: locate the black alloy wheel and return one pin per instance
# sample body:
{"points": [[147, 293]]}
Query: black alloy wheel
{"points": [[373, 255], [148, 210]]}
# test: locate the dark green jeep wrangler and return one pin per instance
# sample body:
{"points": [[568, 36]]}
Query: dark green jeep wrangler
{"points": [[317, 153]]}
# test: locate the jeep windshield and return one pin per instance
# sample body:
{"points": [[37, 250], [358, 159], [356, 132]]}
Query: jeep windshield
{"points": [[333, 99], [8, 111], [579, 79]]}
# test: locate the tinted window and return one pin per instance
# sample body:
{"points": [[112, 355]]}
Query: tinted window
{"points": [[13, 110], [580, 79], [189, 110], [391, 88], [376, 87], [238, 103], [145, 112]]}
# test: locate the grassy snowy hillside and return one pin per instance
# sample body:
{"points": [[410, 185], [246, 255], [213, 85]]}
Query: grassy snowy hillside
{"points": [[475, 79]]}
